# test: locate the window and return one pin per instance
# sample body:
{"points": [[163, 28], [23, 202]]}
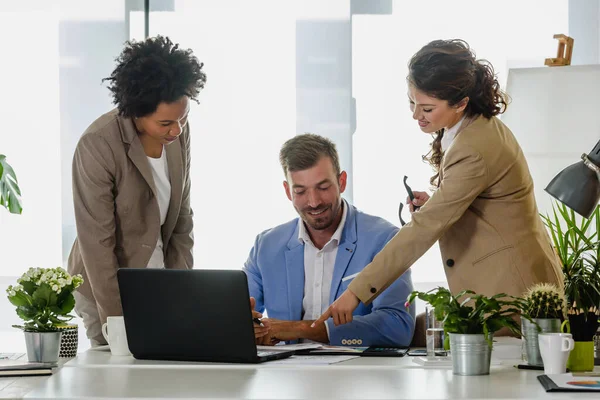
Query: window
{"points": [[246, 111], [51, 83]]}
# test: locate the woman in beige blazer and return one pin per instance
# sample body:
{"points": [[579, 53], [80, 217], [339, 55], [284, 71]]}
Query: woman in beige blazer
{"points": [[131, 177], [483, 211]]}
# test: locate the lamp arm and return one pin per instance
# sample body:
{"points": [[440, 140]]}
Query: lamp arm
{"points": [[594, 157]]}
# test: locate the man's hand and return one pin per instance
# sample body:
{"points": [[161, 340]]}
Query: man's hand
{"points": [[420, 199], [281, 331], [341, 310], [270, 339], [259, 331]]}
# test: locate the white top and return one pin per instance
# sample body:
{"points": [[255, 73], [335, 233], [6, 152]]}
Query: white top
{"points": [[160, 174], [450, 134], [86, 377], [318, 269]]}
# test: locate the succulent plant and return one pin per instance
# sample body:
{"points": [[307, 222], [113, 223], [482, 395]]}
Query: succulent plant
{"points": [[544, 300]]}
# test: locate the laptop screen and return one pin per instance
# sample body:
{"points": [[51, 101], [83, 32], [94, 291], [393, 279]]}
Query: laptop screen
{"points": [[199, 315]]}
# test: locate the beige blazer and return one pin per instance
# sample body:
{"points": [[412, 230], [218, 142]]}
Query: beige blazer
{"points": [[484, 215], [116, 210]]}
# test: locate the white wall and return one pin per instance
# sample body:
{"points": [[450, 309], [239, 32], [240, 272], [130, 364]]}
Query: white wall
{"points": [[554, 115], [584, 28]]}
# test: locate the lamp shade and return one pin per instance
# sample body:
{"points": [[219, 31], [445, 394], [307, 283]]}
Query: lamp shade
{"points": [[578, 185]]}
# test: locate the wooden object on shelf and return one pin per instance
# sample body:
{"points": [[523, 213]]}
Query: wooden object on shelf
{"points": [[564, 53]]}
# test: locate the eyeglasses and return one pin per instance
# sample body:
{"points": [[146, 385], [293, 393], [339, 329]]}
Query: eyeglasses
{"points": [[411, 197]]}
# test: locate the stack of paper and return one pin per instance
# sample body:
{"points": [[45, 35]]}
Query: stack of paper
{"points": [[443, 362], [311, 360], [290, 347]]}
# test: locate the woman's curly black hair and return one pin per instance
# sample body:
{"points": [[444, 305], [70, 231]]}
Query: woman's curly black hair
{"points": [[153, 71]]}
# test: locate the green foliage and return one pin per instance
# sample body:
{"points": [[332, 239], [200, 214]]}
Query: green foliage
{"points": [[544, 300], [10, 194], [578, 247], [471, 313], [44, 298]]}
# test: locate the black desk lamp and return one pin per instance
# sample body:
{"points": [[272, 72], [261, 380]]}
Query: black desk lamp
{"points": [[578, 185]]}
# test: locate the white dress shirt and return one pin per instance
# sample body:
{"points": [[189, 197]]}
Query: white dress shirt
{"points": [[450, 134], [162, 183], [318, 269]]}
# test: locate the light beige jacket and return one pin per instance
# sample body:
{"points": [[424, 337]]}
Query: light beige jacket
{"points": [[116, 210], [485, 217]]}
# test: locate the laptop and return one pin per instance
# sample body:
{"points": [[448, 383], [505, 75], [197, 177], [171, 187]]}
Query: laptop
{"points": [[190, 315]]}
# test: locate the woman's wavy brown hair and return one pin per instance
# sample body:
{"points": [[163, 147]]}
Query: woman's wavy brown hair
{"points": [[448, 70]]}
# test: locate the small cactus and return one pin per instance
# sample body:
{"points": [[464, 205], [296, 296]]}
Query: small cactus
{"points": [[544, 300]]}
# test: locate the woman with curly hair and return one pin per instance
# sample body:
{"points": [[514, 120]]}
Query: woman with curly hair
{"points": [[131, 177], [483, 210]]}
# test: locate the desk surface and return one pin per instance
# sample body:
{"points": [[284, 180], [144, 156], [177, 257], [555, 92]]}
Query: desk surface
{"points": [[96, 374]]}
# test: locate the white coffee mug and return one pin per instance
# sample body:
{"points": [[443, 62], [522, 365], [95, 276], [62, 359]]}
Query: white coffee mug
{"points": [[555, 349], [113, 331]]}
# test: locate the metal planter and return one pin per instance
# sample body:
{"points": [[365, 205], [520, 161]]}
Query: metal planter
{"points": [[530, 333], [471, 354], [42, 346]]}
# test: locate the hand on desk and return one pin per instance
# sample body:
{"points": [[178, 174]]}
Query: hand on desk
{"points": [[292, 330], [259, 331]]}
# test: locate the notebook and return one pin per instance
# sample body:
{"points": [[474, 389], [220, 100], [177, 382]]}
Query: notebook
{"points": [[571, 383], [23, 368]]}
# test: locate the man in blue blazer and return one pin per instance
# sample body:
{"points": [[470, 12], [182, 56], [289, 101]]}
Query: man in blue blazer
{"points": [[296, 270]]}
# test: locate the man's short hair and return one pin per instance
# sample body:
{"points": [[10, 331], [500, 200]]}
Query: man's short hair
{"points": [[304, 151]]}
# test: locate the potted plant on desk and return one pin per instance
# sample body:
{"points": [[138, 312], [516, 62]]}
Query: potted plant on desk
{"points": [[44, 299], [578, 249], [544, 303], [470, 321]]}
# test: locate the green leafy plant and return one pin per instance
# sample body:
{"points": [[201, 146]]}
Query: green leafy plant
{"points": [[544, 300], [578, 248], [471, 313], [44, 298], [10, 194]]}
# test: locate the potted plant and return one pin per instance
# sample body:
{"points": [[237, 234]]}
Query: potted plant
{"points": [[44, 299], [10, 194], [578, 249], [544, 303], [470, 321]]}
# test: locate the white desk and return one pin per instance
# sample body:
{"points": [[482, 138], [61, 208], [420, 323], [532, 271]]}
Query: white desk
{"points": [[96, 374]]}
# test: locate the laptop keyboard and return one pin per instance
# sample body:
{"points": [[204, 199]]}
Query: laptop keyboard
{"points": [[11, 356]]}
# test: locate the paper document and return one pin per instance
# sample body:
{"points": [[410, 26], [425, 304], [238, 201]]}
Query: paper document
{"points": [[290, 347], [442, 362], [311, 360], [338, 349], [574, 383]]}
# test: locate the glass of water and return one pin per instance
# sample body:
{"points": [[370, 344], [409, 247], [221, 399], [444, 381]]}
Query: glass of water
{"points": [[434, 334]]}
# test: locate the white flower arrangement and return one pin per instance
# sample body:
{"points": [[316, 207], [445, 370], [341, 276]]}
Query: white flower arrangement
{"points": [[44, 298]]}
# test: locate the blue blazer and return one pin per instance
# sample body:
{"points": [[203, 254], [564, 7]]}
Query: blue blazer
{"points": [[275, 270]]}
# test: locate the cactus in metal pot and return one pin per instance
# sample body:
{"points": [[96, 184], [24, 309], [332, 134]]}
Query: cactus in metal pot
{"points": [[544, 300]]}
